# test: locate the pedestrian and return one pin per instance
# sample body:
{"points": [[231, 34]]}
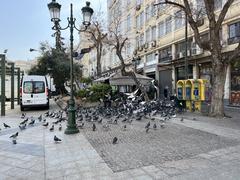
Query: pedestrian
{"points": [[165, 92]]}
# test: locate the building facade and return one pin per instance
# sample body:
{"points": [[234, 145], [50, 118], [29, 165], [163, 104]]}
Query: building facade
{"points": [[157, 36]]}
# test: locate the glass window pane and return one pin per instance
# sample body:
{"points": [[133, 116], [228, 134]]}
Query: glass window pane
{"points": [[39, 87], [28, 87]]}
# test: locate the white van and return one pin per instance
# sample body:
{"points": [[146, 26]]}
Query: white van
{"points": [[34, 92]]}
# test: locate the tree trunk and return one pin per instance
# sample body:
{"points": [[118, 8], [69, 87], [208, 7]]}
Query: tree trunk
{"points": [[99, 54], [218, 82], [133, 75]]}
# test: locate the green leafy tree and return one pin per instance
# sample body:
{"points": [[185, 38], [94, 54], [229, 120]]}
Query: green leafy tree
{"points": [[56, 63]]}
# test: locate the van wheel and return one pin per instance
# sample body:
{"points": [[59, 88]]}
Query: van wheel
{"points": [[22, 108]]}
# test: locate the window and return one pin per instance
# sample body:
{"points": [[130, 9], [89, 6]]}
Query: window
{"points": [[139, 2], [161, 30], [141, 40], [168, 25], [138, 22], [217, 4], [128, 22], [141, 19], [201, 7], [234, 33], [179, 19], [30, 87], [148, 33], [165, 54], [153, 10], [160, 7], [147, 11], [154, 29]]}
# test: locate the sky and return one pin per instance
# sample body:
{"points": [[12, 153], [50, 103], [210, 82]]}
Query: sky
{"points": [[26, 23]]}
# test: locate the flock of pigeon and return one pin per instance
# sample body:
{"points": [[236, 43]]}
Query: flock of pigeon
{"points": [[124, 113], [31, 121]]}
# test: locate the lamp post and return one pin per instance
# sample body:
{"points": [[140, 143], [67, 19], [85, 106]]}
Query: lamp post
{"points": [[87, 12]]}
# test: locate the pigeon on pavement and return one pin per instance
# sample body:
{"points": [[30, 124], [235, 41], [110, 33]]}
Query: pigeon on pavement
{"points": [[56, 139], [6, 126], [14, 135], [115, 139]]}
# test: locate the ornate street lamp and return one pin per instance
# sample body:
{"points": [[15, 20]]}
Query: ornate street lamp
{"points": [[87, 12]]}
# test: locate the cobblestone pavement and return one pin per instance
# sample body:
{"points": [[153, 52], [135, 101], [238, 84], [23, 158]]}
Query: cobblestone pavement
{"points": [[182, 150]]}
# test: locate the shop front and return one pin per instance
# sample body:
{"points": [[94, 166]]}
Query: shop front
{"points": [[235, 85]]}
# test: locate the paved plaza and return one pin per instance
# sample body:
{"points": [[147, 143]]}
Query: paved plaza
{"points": [[197, 148]]}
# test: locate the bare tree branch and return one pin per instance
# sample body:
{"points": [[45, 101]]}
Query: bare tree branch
{"points": [[223, 13]]}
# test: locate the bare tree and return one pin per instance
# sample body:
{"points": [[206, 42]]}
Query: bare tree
{"points": [[218, 59], [96, 31], [118, 41]]}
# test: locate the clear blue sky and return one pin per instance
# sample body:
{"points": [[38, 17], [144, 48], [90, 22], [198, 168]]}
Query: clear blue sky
{"points": [[26, 23]]}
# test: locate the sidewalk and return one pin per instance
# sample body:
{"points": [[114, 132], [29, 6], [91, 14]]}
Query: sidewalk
{"points": [[192, 149]]}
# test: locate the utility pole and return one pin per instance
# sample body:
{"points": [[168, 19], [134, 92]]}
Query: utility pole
{"points": [[186, 46], [3, 72], [12, 85], [18, 89]]}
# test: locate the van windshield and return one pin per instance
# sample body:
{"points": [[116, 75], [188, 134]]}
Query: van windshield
{"points": [[33, 87]]}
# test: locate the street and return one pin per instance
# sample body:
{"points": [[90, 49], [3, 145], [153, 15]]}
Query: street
{"points": [[192, 149]]}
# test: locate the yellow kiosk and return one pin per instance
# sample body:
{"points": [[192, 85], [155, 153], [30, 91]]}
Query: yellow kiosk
{"points": [[181, 90], [188, 94]]}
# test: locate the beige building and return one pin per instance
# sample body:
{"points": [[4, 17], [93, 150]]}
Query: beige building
{"points": [[157, 36]]}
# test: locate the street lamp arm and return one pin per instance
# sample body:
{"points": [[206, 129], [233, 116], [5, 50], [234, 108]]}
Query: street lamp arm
{"points": [[172, 3], [80, 30]]}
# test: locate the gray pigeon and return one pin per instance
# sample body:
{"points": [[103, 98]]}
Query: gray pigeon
{"points": [[56, 139], [115, 139], [14, 135]]}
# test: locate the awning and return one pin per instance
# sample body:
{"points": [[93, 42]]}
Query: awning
{"points": [[119, 80], [102, 79]]}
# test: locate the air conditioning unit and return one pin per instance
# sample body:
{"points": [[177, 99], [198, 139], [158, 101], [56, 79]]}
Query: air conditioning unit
{"points": [[180, 55], [153, 43], [138, 7]]}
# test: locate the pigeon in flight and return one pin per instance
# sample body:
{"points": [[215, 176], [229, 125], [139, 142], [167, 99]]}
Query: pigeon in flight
{"points": [[115, 139], [6, 126], [56, 139]]}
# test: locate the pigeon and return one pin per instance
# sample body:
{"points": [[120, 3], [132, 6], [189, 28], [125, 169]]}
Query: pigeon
{"points": [[56, 139], [148, 125], [23, 115], [22, 126], [139, 118], [155, 126], [52, 128], [14, 135], [60, 127], [115, 121], [32, 122], [14, 141], [125, 127], [152, 118], [40, 118], [124, 120], [94, 127], [181, 119], [100, 121], [45, 124], [115, 139], [6, 126], [81, 125], [24, 122], [162, 125], [147, 129]]}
